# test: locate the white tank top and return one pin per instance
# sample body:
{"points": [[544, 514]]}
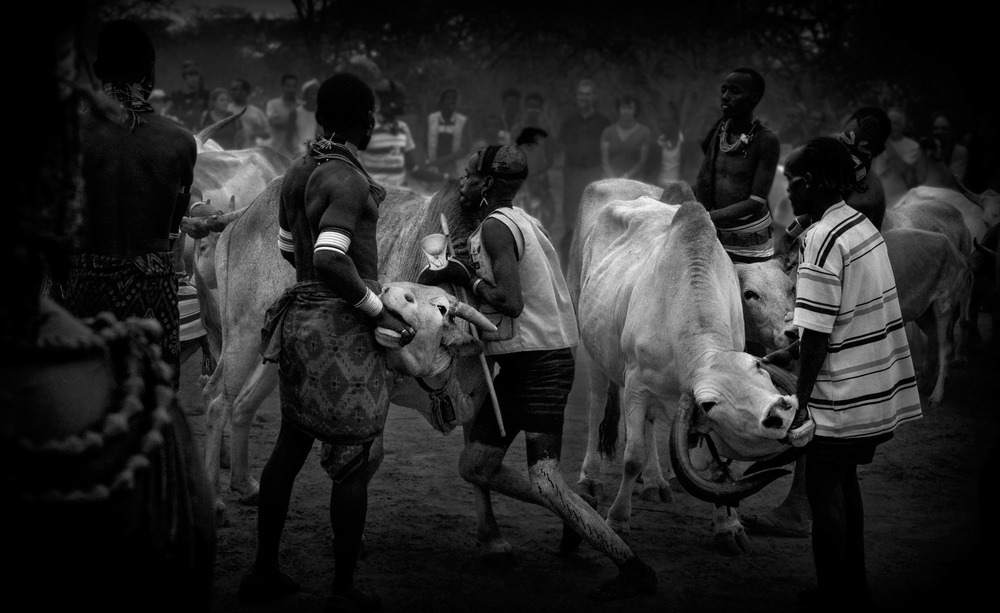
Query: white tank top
{"points": [[548, 320]]}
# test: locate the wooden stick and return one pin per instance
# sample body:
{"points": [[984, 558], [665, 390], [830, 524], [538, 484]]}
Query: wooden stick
{"points": [[475, 334]]}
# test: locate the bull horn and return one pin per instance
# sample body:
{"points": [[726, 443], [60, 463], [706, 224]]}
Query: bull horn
{"points": [[471, 315], [728, 493], [973, 197], [983, 248], [200, 227], [210, 131]]}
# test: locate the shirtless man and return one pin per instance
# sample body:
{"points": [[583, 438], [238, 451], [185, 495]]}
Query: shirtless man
{"points": [[138, 167], [741, 156], [328, 219]]}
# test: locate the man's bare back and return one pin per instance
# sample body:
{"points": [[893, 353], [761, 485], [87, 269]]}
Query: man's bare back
{"points": [[133, 179]]}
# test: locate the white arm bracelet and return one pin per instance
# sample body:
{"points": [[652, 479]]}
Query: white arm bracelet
{"points": [[475, 284], [370, 305], [285, 242], [758, 199], [333, 240]]}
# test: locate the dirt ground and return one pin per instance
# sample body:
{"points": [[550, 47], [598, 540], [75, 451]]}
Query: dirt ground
{"points": [[923, 529]]}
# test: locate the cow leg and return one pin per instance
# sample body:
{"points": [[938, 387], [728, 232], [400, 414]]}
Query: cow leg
{"points": [[216, 416], [262, 382], [633, 462], [482, 466], [655, 486], [598, 395], [928, 326], [943, 329], [729, 536]]}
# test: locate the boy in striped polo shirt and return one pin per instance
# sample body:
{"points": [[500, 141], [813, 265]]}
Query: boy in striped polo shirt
{"points": [[856, 376]]}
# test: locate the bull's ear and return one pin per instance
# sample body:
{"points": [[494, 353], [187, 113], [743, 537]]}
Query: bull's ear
{"points": [[460, 342]]}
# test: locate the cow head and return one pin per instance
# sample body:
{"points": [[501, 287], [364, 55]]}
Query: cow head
{"points": [[768, 296], [989, 201], [746, 408], [432, 312]]}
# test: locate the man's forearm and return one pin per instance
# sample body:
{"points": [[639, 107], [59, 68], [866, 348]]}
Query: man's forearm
{"points": [[734, 211], [812, 350]]}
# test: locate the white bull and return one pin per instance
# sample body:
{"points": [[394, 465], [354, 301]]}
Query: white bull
{"points": [[933, 282], [660, 315], [768, 295]]}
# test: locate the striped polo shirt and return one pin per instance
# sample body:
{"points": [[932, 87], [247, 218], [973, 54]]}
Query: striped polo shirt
{"points": [[846, 288], [385, 156]]}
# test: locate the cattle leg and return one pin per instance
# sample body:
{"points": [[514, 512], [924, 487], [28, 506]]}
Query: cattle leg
{"points": [[934, 325], [655, 486], [262, 382], [597, 398], [633, 462], [494, 550], [216, 416], [944, 322]]}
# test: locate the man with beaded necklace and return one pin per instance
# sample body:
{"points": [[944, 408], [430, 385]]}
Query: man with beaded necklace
{"points": [[741, 156], [321, 332]]}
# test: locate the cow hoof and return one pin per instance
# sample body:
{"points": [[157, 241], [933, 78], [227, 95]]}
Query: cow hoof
{"points": [[249, 492], [221, 519], [621, 528], [591, 489], [732, 544], [660, 493], [935, 398]]}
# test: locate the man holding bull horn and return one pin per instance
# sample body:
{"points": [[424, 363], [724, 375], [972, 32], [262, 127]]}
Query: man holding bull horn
{"points": [[521, 289], [321, 332]]}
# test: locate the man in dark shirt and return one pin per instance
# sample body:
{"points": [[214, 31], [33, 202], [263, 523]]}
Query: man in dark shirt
{"points": [[191, 100], [580, 136]]}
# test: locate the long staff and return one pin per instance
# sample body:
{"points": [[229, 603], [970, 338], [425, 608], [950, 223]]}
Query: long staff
{"points": [[475, 334]]}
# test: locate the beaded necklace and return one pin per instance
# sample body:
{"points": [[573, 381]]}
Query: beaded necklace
{"points": [[742, 142]]}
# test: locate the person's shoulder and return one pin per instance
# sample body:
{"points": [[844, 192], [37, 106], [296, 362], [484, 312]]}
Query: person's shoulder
{"points": [[338, 177]]}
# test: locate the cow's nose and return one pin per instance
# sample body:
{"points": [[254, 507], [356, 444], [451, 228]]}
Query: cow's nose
{"points": [[775, 419], [792, 334], [409, 297]]}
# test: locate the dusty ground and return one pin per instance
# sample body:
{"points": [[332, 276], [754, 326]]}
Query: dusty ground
{"points": [[923, 525]]}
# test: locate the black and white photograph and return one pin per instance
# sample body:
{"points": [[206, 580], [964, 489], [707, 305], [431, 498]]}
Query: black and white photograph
{"points": [[343, 307]]}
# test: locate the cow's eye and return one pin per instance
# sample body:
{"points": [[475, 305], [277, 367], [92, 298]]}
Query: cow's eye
{"points": [[750, 295], [443, 309]]}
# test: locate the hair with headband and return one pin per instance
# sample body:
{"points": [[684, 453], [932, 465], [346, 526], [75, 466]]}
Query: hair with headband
{"points": [[503, 162]]}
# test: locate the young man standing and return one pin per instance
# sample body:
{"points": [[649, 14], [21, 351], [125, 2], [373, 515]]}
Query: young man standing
{"points": [[856, 376], [328, 220], [741, 157], [256, 130], [138, 168], [580, 137], [515, 275], [281, 115]]}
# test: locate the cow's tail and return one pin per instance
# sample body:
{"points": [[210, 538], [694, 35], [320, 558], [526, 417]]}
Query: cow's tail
{"points": [[608, 432]]}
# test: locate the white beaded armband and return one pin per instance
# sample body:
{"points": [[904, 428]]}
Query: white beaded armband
{"points": [[370, 305], [285, 242], [333, 240]]}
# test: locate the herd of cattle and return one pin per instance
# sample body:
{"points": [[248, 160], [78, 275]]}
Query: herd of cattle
{"points": [[666, 321]]}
